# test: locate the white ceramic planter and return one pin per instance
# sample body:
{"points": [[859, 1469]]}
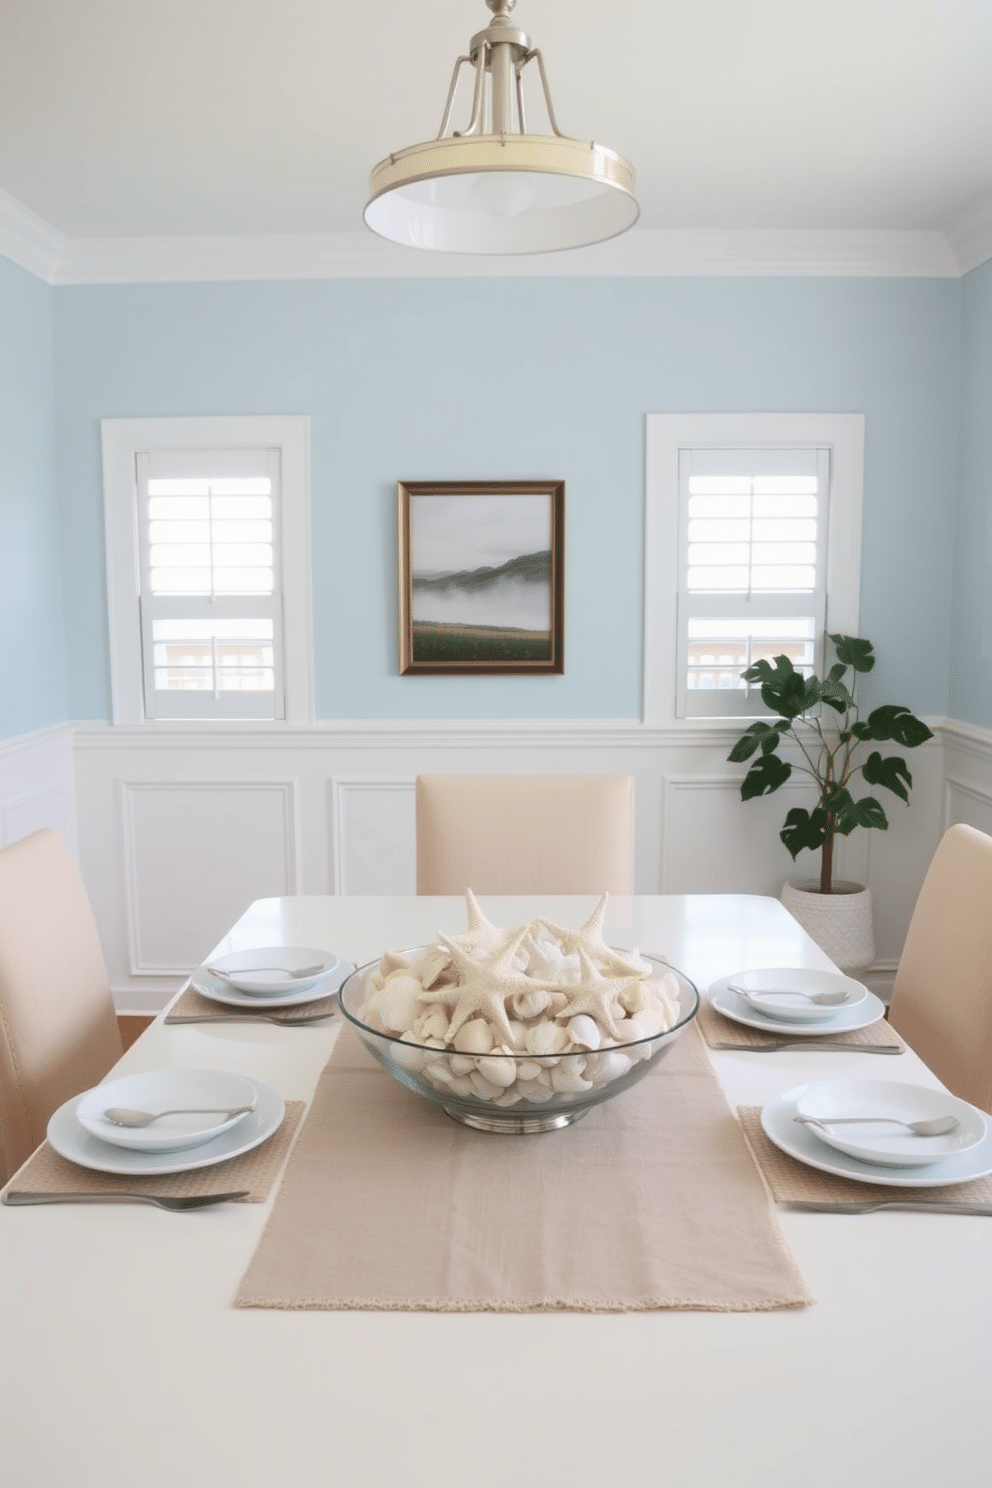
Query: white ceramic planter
{"points": [[840, 923]]}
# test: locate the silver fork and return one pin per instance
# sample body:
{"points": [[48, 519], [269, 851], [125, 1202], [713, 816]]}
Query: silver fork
{"points": [[251, 1018], [948, 1206], [126, 1196], [810, 1046]]}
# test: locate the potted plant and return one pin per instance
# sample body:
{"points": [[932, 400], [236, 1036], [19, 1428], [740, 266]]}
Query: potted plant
{"points": [[822, 718]]}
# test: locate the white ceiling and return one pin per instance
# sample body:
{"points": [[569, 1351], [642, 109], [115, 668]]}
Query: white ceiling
{"points": [[124, 119]]}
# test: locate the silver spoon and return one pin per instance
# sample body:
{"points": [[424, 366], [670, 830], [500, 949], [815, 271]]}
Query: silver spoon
{"points": [[126, 1116], [934, 1126], [255, 971], [824, 999]]}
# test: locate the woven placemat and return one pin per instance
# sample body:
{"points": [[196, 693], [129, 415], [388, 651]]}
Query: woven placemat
{"points": [[720, 1033], [193, 1007], [651, 1201], [793, 1182], [47, 1173]]}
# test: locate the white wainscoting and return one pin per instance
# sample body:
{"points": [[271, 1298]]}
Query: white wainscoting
{"points": [[179, 827]]}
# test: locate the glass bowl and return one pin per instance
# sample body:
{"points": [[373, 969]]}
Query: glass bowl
{"points": [[523, 1092]]}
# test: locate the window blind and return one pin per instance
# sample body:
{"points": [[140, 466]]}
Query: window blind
{"points": [[752, 559]]}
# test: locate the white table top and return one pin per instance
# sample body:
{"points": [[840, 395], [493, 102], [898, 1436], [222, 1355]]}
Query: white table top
{"points": [[124, 1364]]}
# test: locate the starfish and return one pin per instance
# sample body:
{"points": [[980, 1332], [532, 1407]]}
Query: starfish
{"points": [[485, 984], [589, 938], [597, 995], [482, 938]]}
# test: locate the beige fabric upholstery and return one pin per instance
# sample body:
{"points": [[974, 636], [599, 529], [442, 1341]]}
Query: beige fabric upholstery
{"points": [[942, 1000], [525, 834], [58, 1028]]}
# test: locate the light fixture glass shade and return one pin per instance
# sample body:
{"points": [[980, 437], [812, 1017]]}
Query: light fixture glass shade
{"points": [[501, 192]]}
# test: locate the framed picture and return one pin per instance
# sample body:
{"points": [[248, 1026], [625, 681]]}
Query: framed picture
{"points": [[480, 581]]}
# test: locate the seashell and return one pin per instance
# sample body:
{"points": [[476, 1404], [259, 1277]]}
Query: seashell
{"points": [[407, 1056], [474, 1037], [431, 964], [632, 998], [534, 1092], [431, 1024], [461, 1064], [518, 1031], [398, 1002], [545, 1038], [567, 1077], [482, 1088], [392, 961], [610, 1065], [370, 1014], [461, 1085], [530, 1004], [584, 1031], [528, 1069], [559, 1000], [498, 1070], [508, 1098]]}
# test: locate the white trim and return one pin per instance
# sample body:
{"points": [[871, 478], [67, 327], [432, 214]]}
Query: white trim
{"points": [[666, 434], [29, 241], [122, 440], [970, 236]]}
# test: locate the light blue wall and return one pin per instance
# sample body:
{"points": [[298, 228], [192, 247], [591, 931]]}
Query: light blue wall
{"points": [[32, 656], [414, 379], [971, 635]]}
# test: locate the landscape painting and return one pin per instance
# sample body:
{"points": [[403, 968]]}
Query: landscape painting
{"points": [[481, 576]]}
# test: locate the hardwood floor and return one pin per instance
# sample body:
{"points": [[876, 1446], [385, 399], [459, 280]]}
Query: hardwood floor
{"points": [[131, 1025]]}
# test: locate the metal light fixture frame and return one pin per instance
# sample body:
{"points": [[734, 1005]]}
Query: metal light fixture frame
{"points": [[604, 204]]}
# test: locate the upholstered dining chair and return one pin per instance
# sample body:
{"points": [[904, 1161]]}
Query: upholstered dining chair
{"points": [[58, 1028], [942, 998], [525, 834]]}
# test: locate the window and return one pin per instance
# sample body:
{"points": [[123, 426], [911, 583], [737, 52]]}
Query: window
{"points": [[208, 564], [752, 550]]}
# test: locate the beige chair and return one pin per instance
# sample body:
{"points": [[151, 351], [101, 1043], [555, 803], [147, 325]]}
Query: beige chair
{"points": [[942, 999], [58, 1029], [525, 834]]}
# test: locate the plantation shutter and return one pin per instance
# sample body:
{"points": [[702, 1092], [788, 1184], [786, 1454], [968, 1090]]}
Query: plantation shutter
{"points": [[752, 570], [211, 604]]}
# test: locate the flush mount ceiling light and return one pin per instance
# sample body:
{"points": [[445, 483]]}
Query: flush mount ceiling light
{"points": [[506, 191]]}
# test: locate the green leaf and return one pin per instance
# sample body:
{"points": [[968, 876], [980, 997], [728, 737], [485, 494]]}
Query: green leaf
{"points": [[804, 829], [787, 697], [896, 722], [759, 735], [889, 772], [765, 775], [836, 694], [854, 652], [849, 813]]}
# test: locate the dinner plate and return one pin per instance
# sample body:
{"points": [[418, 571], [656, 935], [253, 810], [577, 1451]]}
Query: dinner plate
{"points": [[218, 991], [256, 971], [788, 983], [840, 1020], [890, 1145], [163, 1090], [780, 1127], [73, 1142]]}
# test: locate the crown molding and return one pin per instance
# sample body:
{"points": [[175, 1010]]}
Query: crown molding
{"points": [[639, 253], [28, 240], [970, 236]]}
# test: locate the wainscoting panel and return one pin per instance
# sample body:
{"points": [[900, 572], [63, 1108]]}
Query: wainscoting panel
{"points": [[374, 834], [36, 786], [180, 827], [195, 856]]}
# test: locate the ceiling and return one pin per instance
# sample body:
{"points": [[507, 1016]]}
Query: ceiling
{"points": [[123, 119]]}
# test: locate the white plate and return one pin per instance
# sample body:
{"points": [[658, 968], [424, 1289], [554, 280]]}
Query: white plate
{"points": [[889, 1144], [798, 1141], [787, 983], [161, 1090], [72, 1142], [259, 964], [218, 991], [841, 1020]]}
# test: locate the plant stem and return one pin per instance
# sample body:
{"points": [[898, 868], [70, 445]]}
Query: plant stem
{"points": [[827, 855]]}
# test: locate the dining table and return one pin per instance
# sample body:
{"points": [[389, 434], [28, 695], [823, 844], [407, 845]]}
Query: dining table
{"points": [[126, 1362]]}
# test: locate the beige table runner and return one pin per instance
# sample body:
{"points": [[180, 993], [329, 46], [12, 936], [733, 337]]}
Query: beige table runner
{"points": [[652, 1200], [720, 1033], [792, 1182], [45, 1172], [193, 1007]]}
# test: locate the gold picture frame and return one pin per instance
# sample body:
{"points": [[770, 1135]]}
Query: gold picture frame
{"points": [[481, 582]]}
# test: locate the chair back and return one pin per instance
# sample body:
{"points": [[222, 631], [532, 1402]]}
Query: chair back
{"points": [[942, 999], [58, 1028], [525, 834]]}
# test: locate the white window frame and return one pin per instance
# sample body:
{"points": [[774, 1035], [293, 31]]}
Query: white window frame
{"points": [[669, 433], [123, 440]]}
